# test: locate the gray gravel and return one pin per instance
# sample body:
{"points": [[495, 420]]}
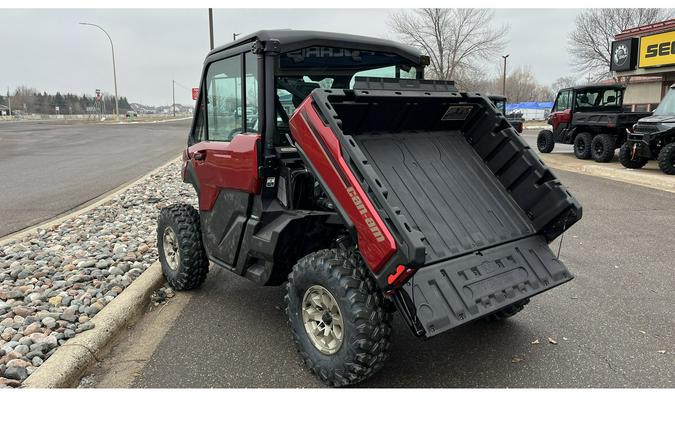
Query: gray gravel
{"points": [[54, 281]]}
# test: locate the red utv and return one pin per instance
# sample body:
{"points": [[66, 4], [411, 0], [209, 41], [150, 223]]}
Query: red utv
{"points": [[590, 117], [326, 162]]}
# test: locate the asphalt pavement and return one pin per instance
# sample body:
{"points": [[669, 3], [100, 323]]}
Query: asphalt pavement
{"points": [[47, 169], [613, 324]]}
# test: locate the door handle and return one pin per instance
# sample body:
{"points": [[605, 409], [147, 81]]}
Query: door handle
{"points": [[199, 155]]}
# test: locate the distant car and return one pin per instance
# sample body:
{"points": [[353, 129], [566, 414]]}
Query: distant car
{"points": [[131, 113]]}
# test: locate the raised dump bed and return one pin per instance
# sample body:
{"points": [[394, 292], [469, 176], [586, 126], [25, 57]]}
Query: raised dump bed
{"points": [[469, 206]]}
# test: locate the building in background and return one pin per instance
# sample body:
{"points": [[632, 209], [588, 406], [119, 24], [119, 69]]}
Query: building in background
{"points": [[644, 59]]}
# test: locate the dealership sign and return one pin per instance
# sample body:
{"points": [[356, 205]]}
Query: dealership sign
{"points": [[657, 50], [624, 54]]}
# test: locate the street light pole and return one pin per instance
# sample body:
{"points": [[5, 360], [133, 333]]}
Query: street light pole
{"points": [[211, 27], [504, 78], [112, 48]]}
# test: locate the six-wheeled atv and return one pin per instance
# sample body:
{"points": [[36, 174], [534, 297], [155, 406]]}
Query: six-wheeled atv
{"points": [[591, 118], [653, 137], [326, 162]]}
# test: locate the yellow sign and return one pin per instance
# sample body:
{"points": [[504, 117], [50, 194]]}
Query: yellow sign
{"points": [[657, 50]]}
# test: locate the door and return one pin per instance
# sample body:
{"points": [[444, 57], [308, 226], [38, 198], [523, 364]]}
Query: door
{"points": [[224, 153], [561, 115]]}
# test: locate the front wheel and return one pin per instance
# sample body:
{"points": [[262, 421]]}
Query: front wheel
{"points": [[179, 243], [602, 148], [337, 317], [545, 142], [626, 158], [667, 159]]}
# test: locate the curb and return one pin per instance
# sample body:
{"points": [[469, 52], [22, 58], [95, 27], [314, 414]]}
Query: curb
{"points": [[104, 197], [633, 177], [65, 367]]}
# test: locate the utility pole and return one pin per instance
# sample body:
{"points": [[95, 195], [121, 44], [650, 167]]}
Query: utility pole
{"points": [[504, 77], [9, 102], [112, 48], [173, 95], [211, 28]]}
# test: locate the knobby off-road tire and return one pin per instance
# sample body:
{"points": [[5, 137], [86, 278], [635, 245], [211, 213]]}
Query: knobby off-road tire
{"points": [[366, 331], [179, 243], [582, 146], [545, 143], [602, 148], [667, 159], [507, 312], [625, 159]]}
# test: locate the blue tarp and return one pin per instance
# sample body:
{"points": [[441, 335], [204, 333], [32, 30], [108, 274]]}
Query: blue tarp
{"points": [[532, 105]]}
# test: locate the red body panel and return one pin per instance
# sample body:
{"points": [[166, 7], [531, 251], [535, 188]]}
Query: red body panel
{"points": [[225, 165], [322, 148], [560, 117]]}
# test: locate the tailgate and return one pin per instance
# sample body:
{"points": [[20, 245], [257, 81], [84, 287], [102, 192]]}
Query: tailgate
{"points": [[447, 294]]}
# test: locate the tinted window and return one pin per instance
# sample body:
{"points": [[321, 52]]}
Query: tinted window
{"points": [[223, 95], [251, 65], [562, 103], [199, 128]]}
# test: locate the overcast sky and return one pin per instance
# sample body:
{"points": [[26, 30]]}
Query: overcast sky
{"points": [[48, 50]]}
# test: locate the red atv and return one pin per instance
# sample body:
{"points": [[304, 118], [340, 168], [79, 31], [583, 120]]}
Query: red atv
{"points": [[326, 162]]}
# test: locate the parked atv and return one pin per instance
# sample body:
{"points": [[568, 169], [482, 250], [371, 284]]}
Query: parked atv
{"points": [[591, 118], [653, 138], [516, 120], [366, 195]]}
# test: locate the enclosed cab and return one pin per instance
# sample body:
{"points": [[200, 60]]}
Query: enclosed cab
{"points": [[590, 117], [653, 138], [327, 163]]}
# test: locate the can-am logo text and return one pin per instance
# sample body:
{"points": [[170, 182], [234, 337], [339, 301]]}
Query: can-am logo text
{"points": [[377, 233]]}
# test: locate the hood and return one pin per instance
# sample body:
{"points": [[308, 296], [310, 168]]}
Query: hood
{"points": [[658, 119]]}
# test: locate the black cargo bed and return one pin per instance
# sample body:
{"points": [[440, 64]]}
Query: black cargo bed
{"points": [[445, 191]]}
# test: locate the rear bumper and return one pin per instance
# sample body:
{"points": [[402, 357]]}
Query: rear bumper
{"points": [[451, 293]]}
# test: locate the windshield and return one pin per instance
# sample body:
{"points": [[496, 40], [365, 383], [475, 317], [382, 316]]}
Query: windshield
{"points": [[302, 71], [667, 106]]}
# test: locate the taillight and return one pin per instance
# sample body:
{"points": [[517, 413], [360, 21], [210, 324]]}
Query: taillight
{"points": [[399, 277]]}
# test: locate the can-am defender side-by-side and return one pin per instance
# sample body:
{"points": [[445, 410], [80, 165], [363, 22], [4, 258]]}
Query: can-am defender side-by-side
{"points": [[590, 117], [653, 137], [326, 162]]}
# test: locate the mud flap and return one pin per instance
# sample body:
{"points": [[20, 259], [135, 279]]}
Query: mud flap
{"points": [[447, 294]]}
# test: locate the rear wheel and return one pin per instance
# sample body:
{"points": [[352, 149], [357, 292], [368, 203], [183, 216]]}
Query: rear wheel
{"points": [[545, 141], [625, 159], [507, 312], [337, 317], [582, 146], [602, 148], [667, 159], [179, 243]]}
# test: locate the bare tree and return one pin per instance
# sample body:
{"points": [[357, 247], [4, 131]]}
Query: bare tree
{"points": [[563, 82], [591, 41], [457, 41]]}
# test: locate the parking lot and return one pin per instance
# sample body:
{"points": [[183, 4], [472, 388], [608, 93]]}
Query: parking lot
{"points": [[609, 327]]}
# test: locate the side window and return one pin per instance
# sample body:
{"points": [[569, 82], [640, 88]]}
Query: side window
{"points": [[199, 132], [223, 99], [252, 116], [562, 103]]}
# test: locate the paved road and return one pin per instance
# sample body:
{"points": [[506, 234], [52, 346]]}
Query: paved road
{"points": [[47, 169], [610, 322]]}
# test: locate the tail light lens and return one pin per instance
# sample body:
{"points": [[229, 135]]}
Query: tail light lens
{"points": [[400, 276]]}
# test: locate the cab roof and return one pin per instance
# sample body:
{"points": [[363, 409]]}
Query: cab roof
{"points": [[290, 40], [597, 86]]}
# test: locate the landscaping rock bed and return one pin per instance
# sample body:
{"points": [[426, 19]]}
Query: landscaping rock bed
{"points": [[54, 281]]}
